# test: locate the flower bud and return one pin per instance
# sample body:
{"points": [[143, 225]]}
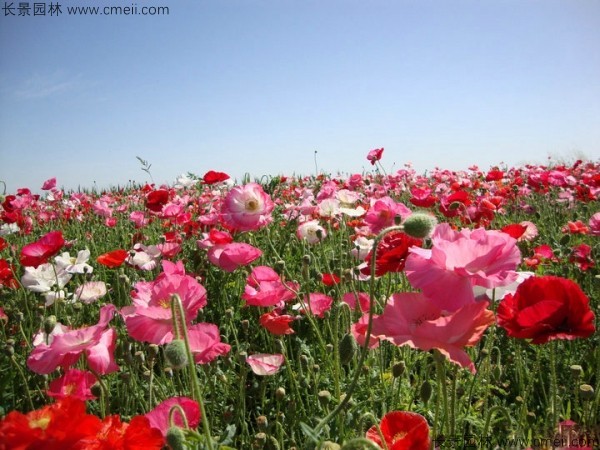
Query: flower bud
{"points": [[398, 369], [586, 391], [425, 391], [176, 438], [419, 225], [576, 371], [360, 444], [279, 394], [347, 348], [176, 354], [49, 324], [262, 423], [328, 445]]}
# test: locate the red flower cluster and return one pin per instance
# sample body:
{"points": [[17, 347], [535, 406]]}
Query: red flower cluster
{"points": [[66, 425], [546, 308]]}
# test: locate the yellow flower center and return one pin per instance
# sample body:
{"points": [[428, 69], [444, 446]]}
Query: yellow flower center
{"points": [[398, 436], [40, 422], [165, 303], [251, 205]]}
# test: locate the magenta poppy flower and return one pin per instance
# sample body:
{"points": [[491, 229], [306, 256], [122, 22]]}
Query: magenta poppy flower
{"points": [[265, 288], [40, 251], [49, 184], [159, 416], [150, 319], [354, 299], [383, 212], [375, 155], [231, 256], [246, 208], [460, 260], [96, 342], [205, 342], [265, 364], [414, 320], [74, 383], [317, 304]]}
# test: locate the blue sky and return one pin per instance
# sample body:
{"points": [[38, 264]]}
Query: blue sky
{"points": [[258, 85]]}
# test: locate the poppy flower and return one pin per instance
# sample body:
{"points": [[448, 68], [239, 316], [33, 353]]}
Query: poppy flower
{"points": [[74, 383], [205, 343], [383, 212], [330, 279], [277, 324], [7, 277], [392, 252], [514, 230], [155, 200], [265, 288], [311, 232], [231, 256], [265, 364], [113, 259], [159, 416], [581, 257], [401, 430], [213, 177], [113, 434], [247, 208], [40, 251], [546, 308], [375, 155]]}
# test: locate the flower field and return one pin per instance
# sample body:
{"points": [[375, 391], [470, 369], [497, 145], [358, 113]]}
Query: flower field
{"points": [[393, 311]]}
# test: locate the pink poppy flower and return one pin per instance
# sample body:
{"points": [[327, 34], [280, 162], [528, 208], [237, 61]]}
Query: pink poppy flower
{"points": [[460, 260], [150, 319], [205, 342], [265, 364], [265, 288], [139, 219], [359, 331], [40, 251], [414, 320], [311, 232], [231, 256], [383, 212], [97, 342], [354, 299], [74, 383], [375, 155], [246, 208], [317, 304], [594, 224], [159, 416], [49, 184]]}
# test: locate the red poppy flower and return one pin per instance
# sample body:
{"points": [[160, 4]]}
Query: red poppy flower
{"points": [[212, 177], [392, 252], [277, 324], [581, 257], [577, 227], [3, 244], [40, 251], [514, 230], [7, 277], [330, 279], [546, 308], [116, 435], [113, 259], [401, 430], [155, 200]]}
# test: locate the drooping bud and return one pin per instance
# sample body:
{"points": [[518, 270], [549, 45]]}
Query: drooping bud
{"points": [[419, 225], [347, 348], [176, 354], [176, 438]]}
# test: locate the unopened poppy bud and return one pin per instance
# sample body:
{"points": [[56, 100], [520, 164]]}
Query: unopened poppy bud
{"points": [[260, 439], [324, 397], [280, 394], [347, 348], [586, 391], [419, 225], [140, 357], [245, 325], [77, 306], [229, 313], [49, 324], [306, 260], [176, 354], [304, 361], [262, 423], [176, 438], [398, 369], [576, 371], [531, 418], [279, 266], [425, 391], [152, 351], [96, 390], [168, 372]]}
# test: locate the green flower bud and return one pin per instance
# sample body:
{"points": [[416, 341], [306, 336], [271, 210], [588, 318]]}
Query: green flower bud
{"points": [[576, 371], [347, 348], [176, 354], [586, 391], [176, 438], [426, 391], [49, 324], [419, 225], [398, 369], [360, 444]]}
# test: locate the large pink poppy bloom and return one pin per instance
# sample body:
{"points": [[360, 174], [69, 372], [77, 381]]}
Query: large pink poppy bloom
{"points": [[383, 212], [97, 342], [460, 260], [265, 288], [246, 208], [231, 256], [412, 319], [150, 319], [265, 364]]}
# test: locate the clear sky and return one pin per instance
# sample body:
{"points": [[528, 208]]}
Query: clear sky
{"points": [[258, 85]]}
